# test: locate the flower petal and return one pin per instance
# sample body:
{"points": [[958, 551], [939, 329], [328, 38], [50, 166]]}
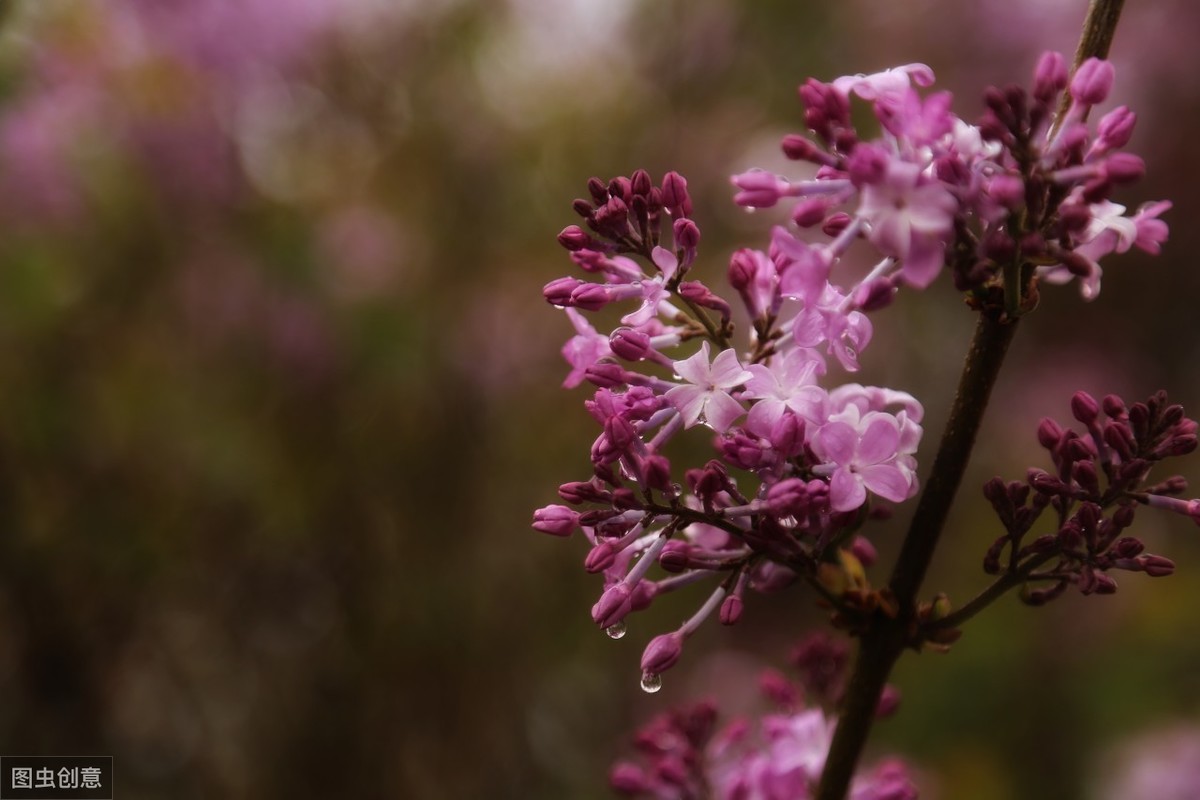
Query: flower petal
{"points": [[846, 491]]}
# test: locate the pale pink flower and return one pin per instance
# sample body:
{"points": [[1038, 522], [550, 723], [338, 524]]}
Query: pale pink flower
{"points": [[705, 398]]}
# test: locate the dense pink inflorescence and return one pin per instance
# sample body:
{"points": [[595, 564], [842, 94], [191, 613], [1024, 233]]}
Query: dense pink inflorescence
{"points": [[800, 458]]}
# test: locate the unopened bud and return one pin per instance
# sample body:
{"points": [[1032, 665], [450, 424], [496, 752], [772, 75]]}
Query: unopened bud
{"points": [[662, 653], [1092, 81]]}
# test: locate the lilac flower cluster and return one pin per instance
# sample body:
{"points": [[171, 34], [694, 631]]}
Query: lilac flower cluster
{"points": [[1022, 193], [1099, 480], [1019, 197], [814, 455], [683, 755]]}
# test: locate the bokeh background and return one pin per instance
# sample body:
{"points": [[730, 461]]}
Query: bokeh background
{"points": [[278, 391]]}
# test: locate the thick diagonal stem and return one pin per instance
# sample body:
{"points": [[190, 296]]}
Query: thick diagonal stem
{"points": [[885, 639]]}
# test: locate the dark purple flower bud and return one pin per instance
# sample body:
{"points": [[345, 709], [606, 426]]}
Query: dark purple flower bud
{"points": [[701, 295], [1124, 168], [1050, 76], [612, 218], [601, 557], [558, 291], [1176, 446], [1084, 473], [1085, 408], [620, 188], [1092, 81], [574, 238], [1114, 406], [620, 433], [809, 212], [1119, 437], [799, 148], [1070, 536], [555, 520], [1156, 566], [577, 492], [1046, 483], [628, 778], [582, 207], [875, 295], [590, 296], [662, 652], [590, 260], [889, 702], [709, 481], [1078, 266], [643, 595], [687, 234], [598, 189], [605, 374], [629, 344], [1049, 433], [673, 771], [640, 183], [613, 605], [1116, 128], [675, 196], [991, 559], [656, 471], [731, 610], [597, 516], [835, 224], [1093, 582], [742, 269], [1127, 547], [1078, 449], [1122, 518], [1074, 217], [675, 556]]}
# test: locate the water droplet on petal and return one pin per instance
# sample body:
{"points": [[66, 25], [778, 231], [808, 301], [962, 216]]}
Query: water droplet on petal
{"points": [[651, 682], [615, 631], [788, 522], [750, 209]]}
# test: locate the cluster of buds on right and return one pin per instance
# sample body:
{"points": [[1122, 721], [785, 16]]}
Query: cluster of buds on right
{"points": [[1099, 480]]}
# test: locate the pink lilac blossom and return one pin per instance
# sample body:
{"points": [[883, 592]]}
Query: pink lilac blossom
{"points": [[800, 460], [933, 191]]}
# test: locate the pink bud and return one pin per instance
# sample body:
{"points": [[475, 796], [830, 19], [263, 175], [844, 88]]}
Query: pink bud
{"points": [[558, 291], [601, 557], [1050, 76], [613, 605], [731, 610], [675, 194], [1092, 81], [629, 344], [1116, 128], [555, 520], [573, 238], [662, 652], [1124, 168], [687, 234], [1156, 566]]}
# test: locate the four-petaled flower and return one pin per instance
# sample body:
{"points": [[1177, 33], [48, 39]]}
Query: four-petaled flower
{"points": [[706, 398], [867, 452]]}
